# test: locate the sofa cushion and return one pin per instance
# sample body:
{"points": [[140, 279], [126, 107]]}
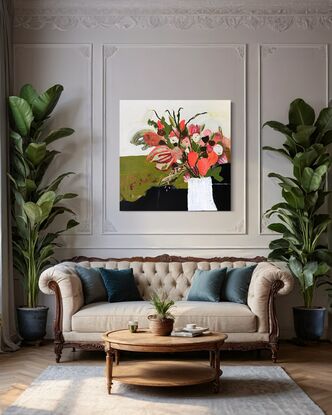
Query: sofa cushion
{"points": [[224, 317], [236, 284], [120, 285], [206, 285], [92, 283]]}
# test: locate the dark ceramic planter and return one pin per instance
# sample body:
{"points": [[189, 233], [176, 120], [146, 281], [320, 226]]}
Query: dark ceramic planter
{"points": [[32, 323], [309, 322]]}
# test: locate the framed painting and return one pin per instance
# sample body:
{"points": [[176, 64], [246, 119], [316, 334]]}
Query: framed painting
{"points": [[175, 155]]}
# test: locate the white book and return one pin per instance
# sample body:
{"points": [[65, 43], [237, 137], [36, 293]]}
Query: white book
{"points": [[196, 330], [184, 334]]}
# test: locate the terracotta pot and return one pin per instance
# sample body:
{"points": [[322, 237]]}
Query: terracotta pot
{"points": [[160, 327]]}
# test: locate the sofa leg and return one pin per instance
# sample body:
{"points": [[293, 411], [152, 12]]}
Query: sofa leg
{"points": [[58, 351], [274, 351]]}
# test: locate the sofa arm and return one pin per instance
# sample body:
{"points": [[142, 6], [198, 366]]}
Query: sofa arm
{"points": [[62, 281], [268, 279]]}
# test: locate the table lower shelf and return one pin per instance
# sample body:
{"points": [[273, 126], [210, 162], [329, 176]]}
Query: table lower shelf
{"points": [[166, 373]]}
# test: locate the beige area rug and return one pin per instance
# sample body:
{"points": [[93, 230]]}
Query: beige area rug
{"points": [[246, 390]]}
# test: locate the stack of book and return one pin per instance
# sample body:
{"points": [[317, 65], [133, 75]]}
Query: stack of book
{"points": [[186, 332]]}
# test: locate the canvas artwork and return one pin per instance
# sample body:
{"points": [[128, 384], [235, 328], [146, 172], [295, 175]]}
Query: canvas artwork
{"points": [[175, 155]]}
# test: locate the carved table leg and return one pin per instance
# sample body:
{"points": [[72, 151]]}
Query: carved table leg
{"points": [[216, 383], [117, 357], [274, 351], [211, 355], [109, 366], [58, 351]]}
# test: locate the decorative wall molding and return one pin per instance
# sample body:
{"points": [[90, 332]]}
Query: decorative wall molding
{"points": [[108, 226], [265, 50], [180, 15]]}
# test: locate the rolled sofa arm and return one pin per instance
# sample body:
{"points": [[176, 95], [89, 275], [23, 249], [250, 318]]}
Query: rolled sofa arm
{"points": [[64, 282], [268, 279]]}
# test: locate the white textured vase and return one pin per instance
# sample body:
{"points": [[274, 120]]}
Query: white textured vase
{"points": [[200, 195]]}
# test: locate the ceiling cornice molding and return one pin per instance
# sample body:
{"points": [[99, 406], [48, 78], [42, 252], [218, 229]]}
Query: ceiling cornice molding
{"points": [[177, 14]]}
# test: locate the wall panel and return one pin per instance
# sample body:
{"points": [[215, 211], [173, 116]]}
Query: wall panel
{"points": [[70, 65]]}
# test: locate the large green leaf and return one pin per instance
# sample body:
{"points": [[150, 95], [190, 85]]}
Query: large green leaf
{"points": [[33, 212], [324, 120], [324, 255], [41, 169], [287, 181], [327, 138], [279, 244], [308, 274], [65, 196], [70, 224], [322, 269], [297, 270], [312, 179], [278, 126], [44, 104], [277, 227], [278, 150], [17, 141], [278, 255], [57, 134], [303, 135], [45, 202], [28, 93], [305, 159], [36, 153], [56, 182], [301, 113], [22, 115], [294, 197]]}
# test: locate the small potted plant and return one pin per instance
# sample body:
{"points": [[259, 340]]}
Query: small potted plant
{"points": [[161, 323]]}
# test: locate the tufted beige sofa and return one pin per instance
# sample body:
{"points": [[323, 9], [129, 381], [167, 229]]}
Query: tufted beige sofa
{"points": [[252, 326]]}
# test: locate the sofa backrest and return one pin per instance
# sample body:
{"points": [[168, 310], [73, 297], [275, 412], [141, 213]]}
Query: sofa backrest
{"points": [[171, 278]]}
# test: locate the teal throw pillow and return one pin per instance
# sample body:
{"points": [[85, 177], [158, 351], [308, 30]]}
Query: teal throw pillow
{"points": [[206, 285], [236, 284], [93, 286], [120, 285]]}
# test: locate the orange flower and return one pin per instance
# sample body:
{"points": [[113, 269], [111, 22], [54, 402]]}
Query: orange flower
{"points": [[203, 166], [182, 125], [192, 158], [212, 158]]}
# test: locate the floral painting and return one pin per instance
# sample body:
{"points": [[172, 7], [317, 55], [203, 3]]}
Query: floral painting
{"points": [[175, 155]]}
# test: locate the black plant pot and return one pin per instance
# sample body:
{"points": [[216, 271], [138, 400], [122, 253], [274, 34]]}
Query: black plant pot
{"points": [[32, 323], [309, 322]]}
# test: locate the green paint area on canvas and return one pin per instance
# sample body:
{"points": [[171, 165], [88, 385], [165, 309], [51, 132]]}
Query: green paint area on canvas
{"points": [[137, 176]]}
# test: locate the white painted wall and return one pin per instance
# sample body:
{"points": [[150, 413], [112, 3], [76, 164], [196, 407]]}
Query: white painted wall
{"points": [[103, 52]]}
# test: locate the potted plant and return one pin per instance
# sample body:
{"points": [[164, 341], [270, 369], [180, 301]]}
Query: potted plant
{"points": [[35, 200], [303, 227], [161, 323]]}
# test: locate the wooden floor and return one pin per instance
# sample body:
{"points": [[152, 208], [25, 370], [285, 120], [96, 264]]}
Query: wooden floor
{"points": [[310, 367]]}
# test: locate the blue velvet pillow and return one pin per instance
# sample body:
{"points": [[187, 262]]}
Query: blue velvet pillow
{"points": [[236, 284], [206, 285], [120, 285], [92, 283]]}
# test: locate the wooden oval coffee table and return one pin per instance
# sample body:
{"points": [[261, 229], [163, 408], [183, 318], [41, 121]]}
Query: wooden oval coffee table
{"points": [[162, 372]]}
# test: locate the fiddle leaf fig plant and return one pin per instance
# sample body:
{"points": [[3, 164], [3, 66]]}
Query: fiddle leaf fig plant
{"points": [[35, 201], [301, 222]]}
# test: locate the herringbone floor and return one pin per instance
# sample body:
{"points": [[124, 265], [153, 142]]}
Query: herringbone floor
{"points": [[310, 367]]}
